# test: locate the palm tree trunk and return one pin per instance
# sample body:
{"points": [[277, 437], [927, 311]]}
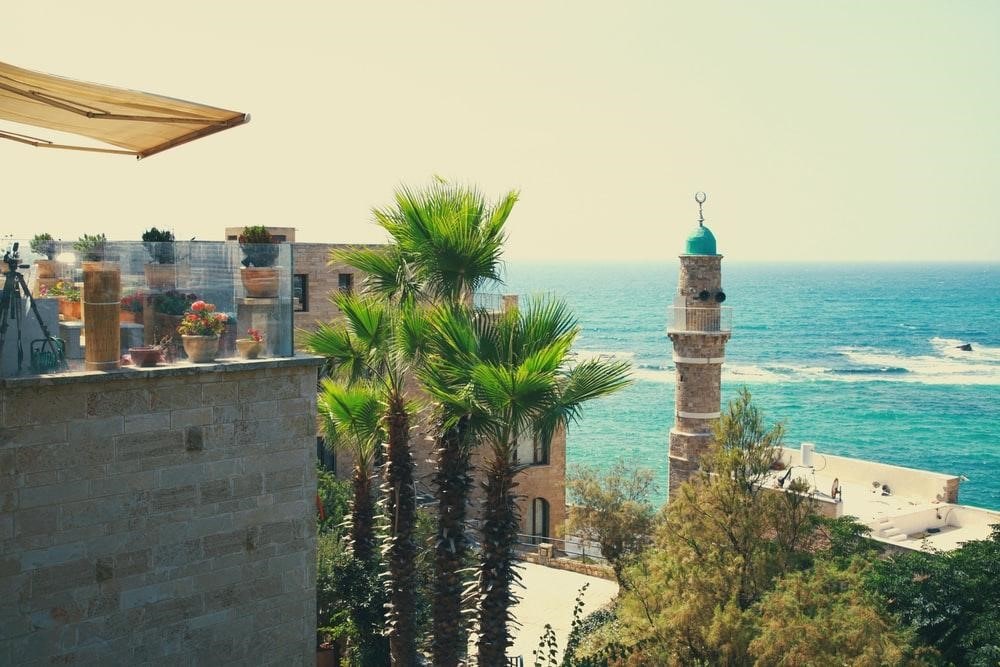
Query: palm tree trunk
{"points": [[453, 483], [400, 549], [363, 517], [497, 573]]}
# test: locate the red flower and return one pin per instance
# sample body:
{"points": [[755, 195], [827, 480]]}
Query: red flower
{"points": [[198, 306], [191, 317]]}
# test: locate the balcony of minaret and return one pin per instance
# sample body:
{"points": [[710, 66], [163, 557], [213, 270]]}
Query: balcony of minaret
{"points": [[685, 319]]}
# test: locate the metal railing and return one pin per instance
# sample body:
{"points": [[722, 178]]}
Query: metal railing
{"points": [[699, 320], [574, 548]]}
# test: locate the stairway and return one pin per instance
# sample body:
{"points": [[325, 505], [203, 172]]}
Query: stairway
{"points": [[886, 529]]}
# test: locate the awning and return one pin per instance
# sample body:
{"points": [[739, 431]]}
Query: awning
{"points": [[138, 123]]}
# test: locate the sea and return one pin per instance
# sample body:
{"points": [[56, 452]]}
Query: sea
{"points": [[861, 359]]}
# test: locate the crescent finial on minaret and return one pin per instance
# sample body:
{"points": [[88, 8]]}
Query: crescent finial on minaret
{"points": [[700, 197]]}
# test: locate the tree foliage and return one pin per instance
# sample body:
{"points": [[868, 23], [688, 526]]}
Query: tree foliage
{"points": [[724, 543], [952, 600], [823, 616], [612, 509]]}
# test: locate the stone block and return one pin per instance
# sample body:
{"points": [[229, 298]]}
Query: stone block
{"points": [[41, 434], [37, 521], [283, 479], [29, 406], [191, 417], [54, 494], [219, 393], [148, 444], [150, 421], [225, 543], [175, 397], [103, 403], [215, 491], [47, 580]]}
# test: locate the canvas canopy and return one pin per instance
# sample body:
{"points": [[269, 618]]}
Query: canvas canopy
{"points": [[135, 122]]}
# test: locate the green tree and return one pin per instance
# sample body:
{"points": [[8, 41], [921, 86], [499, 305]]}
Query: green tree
{"points": [[351, 419], [724, 539], [367, 349], [612, 509], [824, 617], [514, 372], [949, 599], [446, 242]]}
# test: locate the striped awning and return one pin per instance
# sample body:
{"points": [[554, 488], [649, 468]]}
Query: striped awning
{"points": [[129, 122]]}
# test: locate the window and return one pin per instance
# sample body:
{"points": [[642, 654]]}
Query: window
{"points": [[541, 453], [345, 282], [300, 293], [278, 238], [531, 450], [539, 519], [325, 455]]}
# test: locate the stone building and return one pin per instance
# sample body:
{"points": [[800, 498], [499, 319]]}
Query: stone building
{"points": [[699, 328], [541, 486]]}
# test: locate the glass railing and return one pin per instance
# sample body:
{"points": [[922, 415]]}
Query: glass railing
{"points": [[100, 308]]}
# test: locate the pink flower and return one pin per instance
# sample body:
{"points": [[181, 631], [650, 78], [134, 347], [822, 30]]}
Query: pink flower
{"points": [[222, 317], [192, 318], [198, 306]]}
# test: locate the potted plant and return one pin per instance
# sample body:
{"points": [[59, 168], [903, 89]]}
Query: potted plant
{"points": [[200, 329], [146, 356], [160, 273], [102, 293], [167, 309], [44, 244], [91, 248], [259, 275], [250, 348], [132, 305], [69, 299]]}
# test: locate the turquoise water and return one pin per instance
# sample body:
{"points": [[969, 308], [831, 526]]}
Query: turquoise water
{"points": [[859, 358]]}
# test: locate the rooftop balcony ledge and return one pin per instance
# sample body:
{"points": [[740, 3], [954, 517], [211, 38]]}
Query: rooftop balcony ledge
{"points": [[126, 373], [700, 320]]}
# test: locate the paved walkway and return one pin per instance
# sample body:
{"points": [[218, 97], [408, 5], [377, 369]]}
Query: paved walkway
{"points": [[547, 597]]}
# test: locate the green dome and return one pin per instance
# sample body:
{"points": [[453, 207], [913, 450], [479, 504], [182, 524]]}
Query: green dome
{"points": [[701, 242]]}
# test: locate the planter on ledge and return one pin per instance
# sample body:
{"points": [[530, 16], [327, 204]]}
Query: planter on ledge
{"points": [[201, 349], [249, 348], [260, 282], [70, 310], [146, 356]]}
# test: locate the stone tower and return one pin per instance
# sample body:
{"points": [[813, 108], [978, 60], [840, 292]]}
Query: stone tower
{"points": [[699, 327]]}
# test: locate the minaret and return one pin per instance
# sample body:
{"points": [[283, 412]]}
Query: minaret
{"points": [[699, 328]]}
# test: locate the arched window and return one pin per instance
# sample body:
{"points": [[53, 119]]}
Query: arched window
{"points": [[539, 519]]}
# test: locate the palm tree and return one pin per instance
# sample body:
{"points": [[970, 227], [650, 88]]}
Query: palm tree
{"points": [[515, 375], [446, 244], [368, 347], [351, 420]]}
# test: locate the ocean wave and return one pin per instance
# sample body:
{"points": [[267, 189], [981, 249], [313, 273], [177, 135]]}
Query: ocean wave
{"points": [[949, 366], [949, 347]]}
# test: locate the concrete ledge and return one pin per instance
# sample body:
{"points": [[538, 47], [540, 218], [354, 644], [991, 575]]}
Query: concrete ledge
{"points": [[126, 373]]}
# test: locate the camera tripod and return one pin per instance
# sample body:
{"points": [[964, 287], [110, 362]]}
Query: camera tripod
{"points": [[48, 352]]}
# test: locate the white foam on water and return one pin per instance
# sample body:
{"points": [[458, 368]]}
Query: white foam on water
{"points": [[945, 368], [949, 347]]}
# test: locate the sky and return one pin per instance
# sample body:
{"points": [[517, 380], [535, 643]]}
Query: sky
{"points": [[821, 131]]}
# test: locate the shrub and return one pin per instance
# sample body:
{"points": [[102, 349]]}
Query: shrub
{"points": [[159, 244], [91, 248], [258, 246], [43, 244]]}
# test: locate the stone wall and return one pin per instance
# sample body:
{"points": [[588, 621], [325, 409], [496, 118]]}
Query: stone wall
{"points": [[160, 516], [312, 259]]}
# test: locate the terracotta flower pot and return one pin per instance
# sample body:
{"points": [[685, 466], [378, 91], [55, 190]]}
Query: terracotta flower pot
{"points": [[46, 268], [70, 310], [129, 317], [201, 349], [248, 348], [161, 276], [146, 356], [260, 282]]}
